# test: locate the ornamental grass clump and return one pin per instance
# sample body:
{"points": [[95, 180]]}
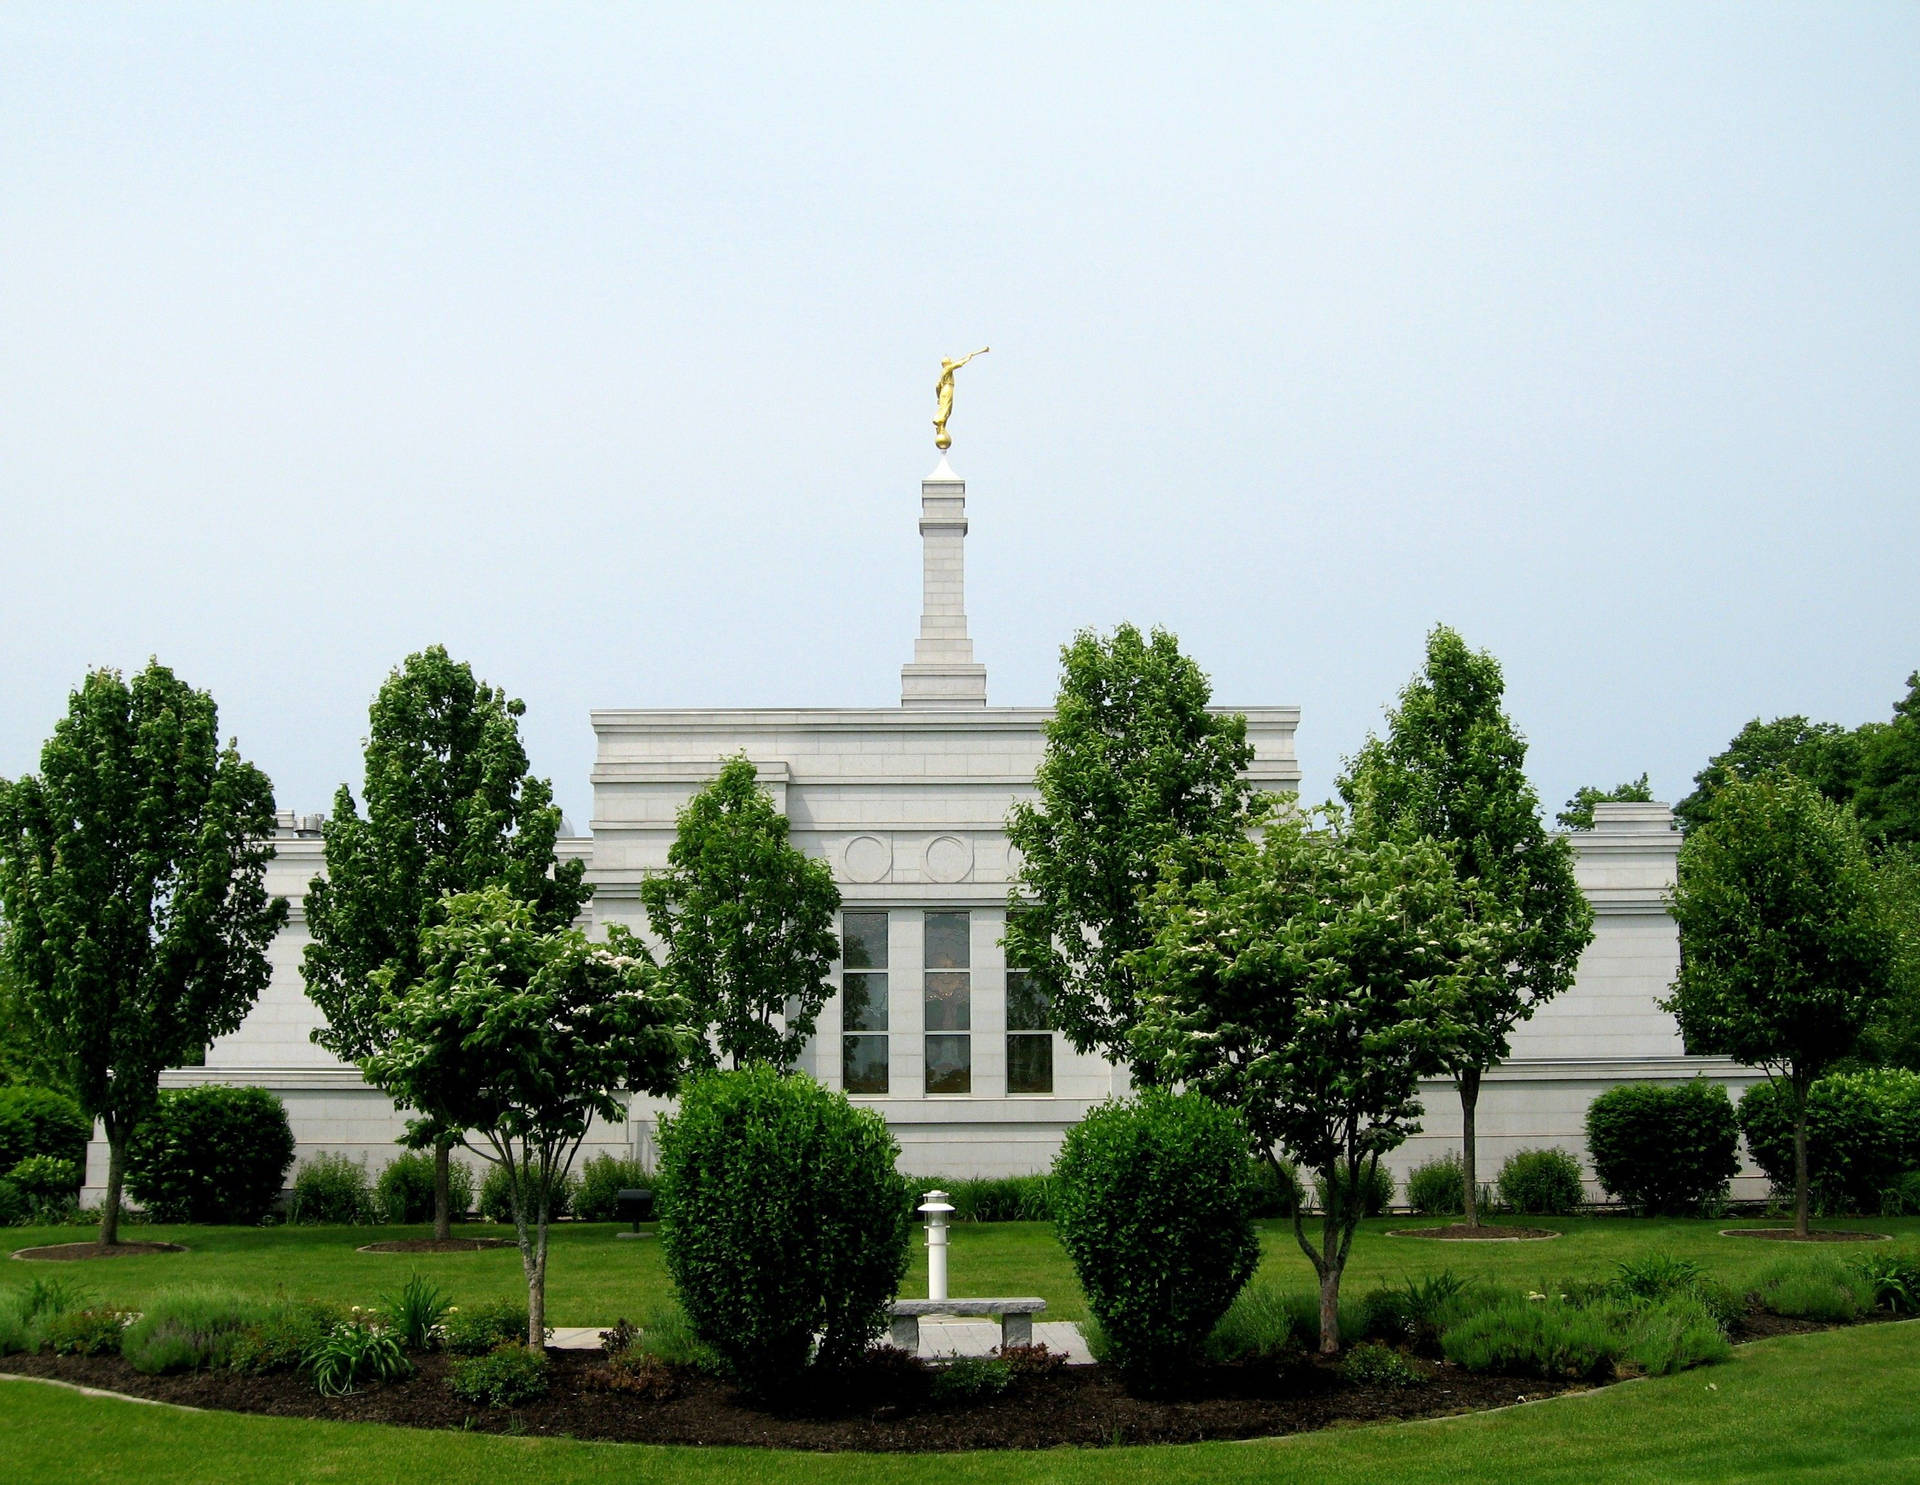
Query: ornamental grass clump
{"points": [[1150, 1202], [351, 1356], [1259, 1326], [414, 1313], [187, 1330], [1812, 1289], [1534, 1336]]}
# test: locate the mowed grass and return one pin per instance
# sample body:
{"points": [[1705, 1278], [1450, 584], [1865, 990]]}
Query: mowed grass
{"points": [[1834, 1407], [595, 1278]]}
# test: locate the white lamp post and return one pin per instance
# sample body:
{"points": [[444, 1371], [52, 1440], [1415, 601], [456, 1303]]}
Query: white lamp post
{"points": [[936, 1207]]}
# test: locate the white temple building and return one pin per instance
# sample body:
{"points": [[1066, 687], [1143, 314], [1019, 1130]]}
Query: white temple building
{"points": [[928, 1025]]}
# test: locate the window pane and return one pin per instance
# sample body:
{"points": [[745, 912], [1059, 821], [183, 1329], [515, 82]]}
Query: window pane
{"points": [[1027, 1003], [949, 1003], [865, 940], [864, 1064], [1030, 1063], [947, 941], [949, 1064], [865, 1005]]}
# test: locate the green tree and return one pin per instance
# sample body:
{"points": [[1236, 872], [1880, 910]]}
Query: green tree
{"points": [[1786, 949], [519, 1039], [747, 921], [132, 881], [1578, 815], [1892, 1037], [1889, 792], [1309, 981], [1137, 770], [1452, 768], [1825, 754], [449, 808]]}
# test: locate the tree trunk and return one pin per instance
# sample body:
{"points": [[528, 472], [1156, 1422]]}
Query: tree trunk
{"points": [[537, 1288], [1330, 1312], [1799, 1159], [442, 1191], [116, 1171], [1469, 1083]]}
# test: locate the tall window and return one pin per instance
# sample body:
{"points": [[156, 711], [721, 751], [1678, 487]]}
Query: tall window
{"points": [[1029, 1035], [949, 1004], [863, 1002]]}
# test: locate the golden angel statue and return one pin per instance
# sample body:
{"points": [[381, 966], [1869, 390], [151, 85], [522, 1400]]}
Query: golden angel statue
{"points": [[943, 397]]}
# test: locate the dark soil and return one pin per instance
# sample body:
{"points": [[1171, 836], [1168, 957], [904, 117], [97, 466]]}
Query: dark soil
{"points": [[66, 1251], [885, 1408], [1788, 1235], [1459, 1232], [436, 1245]]}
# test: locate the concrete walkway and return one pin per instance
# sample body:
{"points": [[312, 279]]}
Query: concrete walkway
{"points": [[939, 1338]]}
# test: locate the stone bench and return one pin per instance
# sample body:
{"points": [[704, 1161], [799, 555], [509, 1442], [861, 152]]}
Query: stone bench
{"points": [[1015, 1317]]}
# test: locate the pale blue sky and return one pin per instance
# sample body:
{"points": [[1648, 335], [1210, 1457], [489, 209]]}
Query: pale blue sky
{"points": [[598, 344]]}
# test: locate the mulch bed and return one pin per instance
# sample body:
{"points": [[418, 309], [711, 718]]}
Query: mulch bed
{"points": [[1459, 1232], [436, 1245], [63, 1252], [881, 1409], [1788, 1235]]}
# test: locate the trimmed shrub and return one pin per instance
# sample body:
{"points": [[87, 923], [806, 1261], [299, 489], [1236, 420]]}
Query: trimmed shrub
{"points": [[970, 1379], [1664, 1148], [602, 1179], [781, 1217], [1372, 1365], [331, 1190], [1541, 1183], [504, 1378], [46, 1180], [210, 1154], [40, 1121], [187, 1330], [496, 1195], [1438, 1188], [478, 1329], [405, 1188], [1863, 1133], [1151, 1203], [1535, 1338], [1377, 1192]]}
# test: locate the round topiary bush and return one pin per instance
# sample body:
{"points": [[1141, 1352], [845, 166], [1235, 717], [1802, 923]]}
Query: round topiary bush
{"points": [[331, 1190], [210, 1154], [39, 1121], [1437, 1188], [1541, 1183], [781, 1217], [404, 1191], [1863, 1134], [1151, 1202], [602, 1179], [496, 1195], [1664, 1148]]}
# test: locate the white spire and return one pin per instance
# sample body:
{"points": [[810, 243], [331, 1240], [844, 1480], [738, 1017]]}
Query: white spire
{"points": [[943, 672]]}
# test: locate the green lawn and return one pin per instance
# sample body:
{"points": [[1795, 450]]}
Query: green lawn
{"points": [[594, 1279], [1835, 1407]]}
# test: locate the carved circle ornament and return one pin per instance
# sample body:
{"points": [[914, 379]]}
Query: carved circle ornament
{"points": [[949, 859], [867, 858]]}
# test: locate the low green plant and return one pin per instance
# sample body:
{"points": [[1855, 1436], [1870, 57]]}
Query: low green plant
{"points": [[186, 1330], [1415, 1311], [414, 1313], [1541, 1183], [1437, 1189], [404, 1191], [970, 1379], [667, 1334], [1655, 1276], [351, 1356], [1372, 1365], [1893, 1277], [477, 1329], [602, 1179], [1811, 1289], [1670, 1335], [331, 1190], [279, 1340], [1033, 1361], [1534, 1337], [14, 1206], [1258, 1327], [46, 1181], [507, 1376], [496, 1195], [24, 1309], [81, 1332], [1902, 1197]]}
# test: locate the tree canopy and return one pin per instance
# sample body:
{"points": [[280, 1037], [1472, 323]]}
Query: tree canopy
{"points": [[133, 884], [1137, 769], [1578, 815], [1826, 755], [747, 921]]}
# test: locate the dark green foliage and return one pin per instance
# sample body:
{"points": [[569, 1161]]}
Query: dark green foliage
{"points": [[1151, 1202], [505, 1377], [474, 1330], [602, 1179], [1824, 754], [1664, 1148], [39, 1121], [1818, 1289], [414, 1312], [1863, 1133], [1276, 1187], [748, 923], [781, 1216], [496, 1194], [329, 1190], [14, 1206], [1376, 1190], [1541, 1183], [46, 1180], [1889, 795], [210, 1154], [1578, 815], [1902, 1198], [1373, 1365], [282, 1337], [1258, 1326], [351, 1356], [970, 1379], [1671, 1335], [1417, 1310], [1547, 1338], [1893, 1277], [405, 1188], [993, 1198], [189, 1330], [82, 1332], [1138, 771], [1434, 1189]]}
